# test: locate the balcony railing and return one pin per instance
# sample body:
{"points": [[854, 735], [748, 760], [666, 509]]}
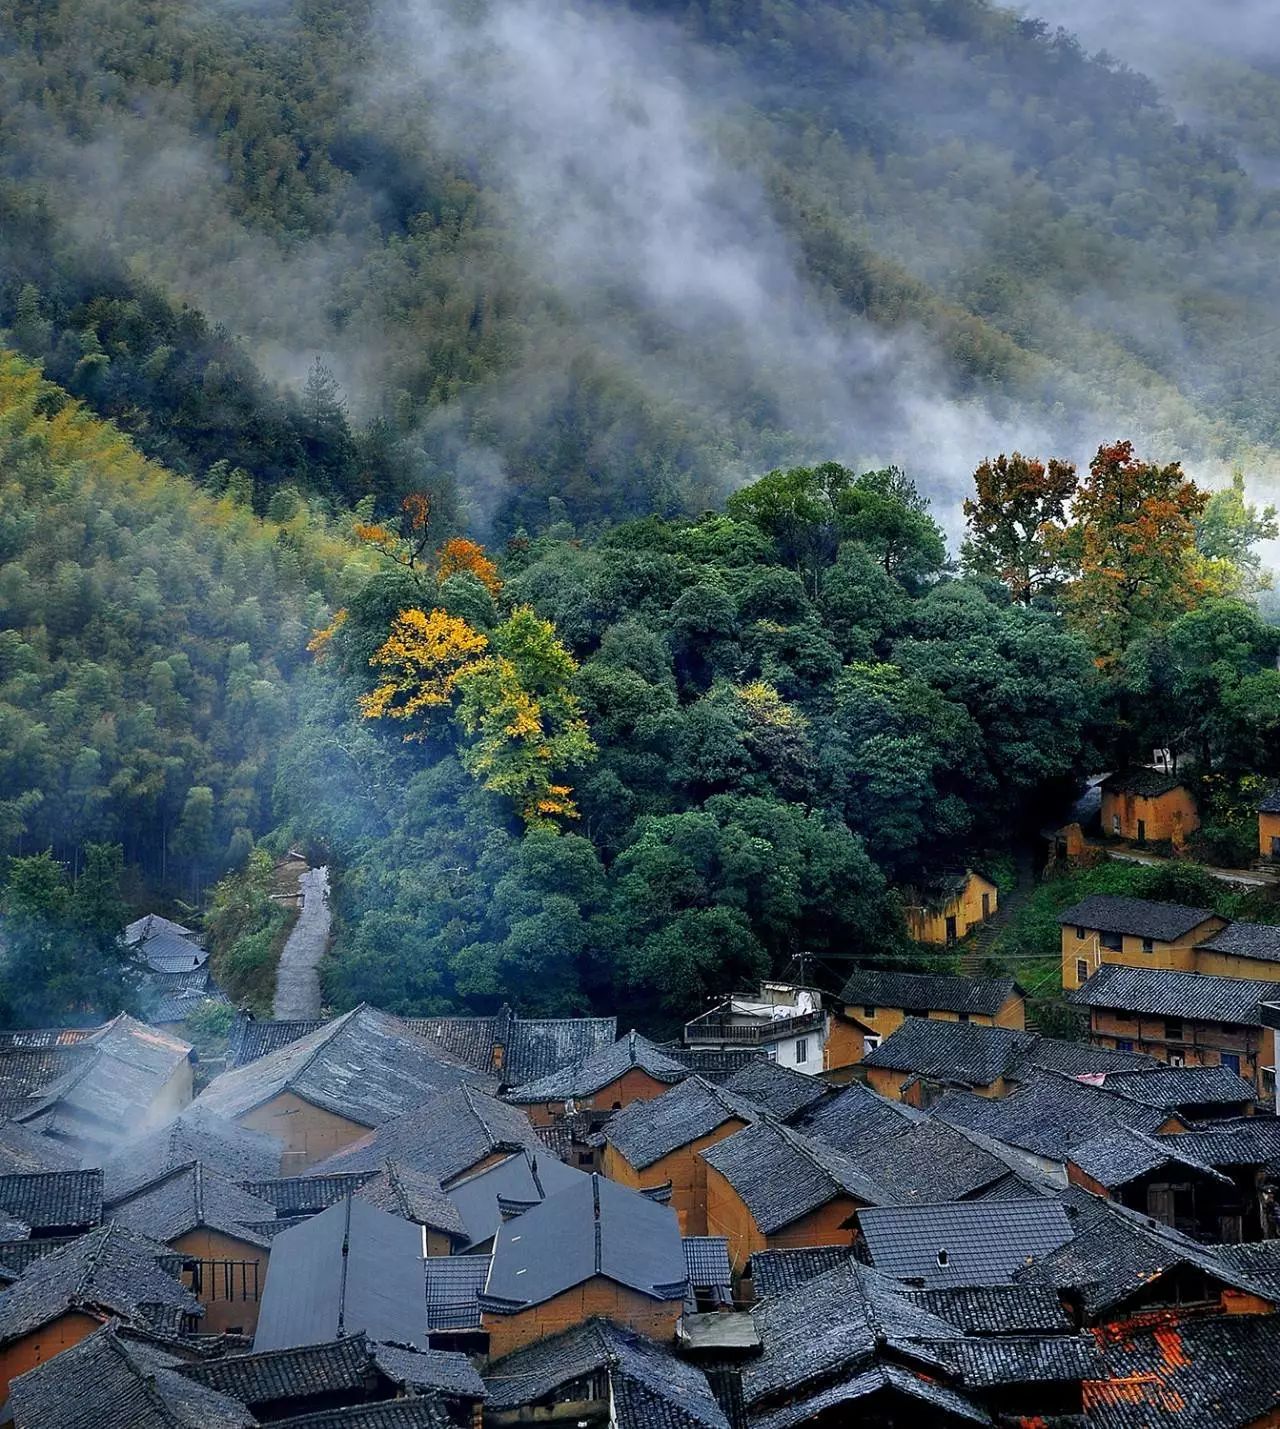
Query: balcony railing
{"points": [[762, 1031]]}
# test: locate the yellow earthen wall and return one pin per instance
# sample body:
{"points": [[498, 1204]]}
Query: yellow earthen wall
{"points": [[598, 1296], [1168, 817], [308, 1132], [635, 1085], [683, 1167], [1268, 829], [42, 1345], [1177, 956], [220, 1314], [927, 926]]}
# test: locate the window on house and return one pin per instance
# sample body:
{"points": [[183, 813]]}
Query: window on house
{"points": [[802, 1050], [1082, 970], [1115, 824], [1114, 941], [1080, 932], [943, 1259], [1231, 1060], [1124, 1044], [868, 1012], [1148, 945], [964, 1017], [1172, 1030]]}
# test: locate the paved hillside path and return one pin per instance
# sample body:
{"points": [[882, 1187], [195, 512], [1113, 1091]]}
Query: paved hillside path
{"points": [[298, 976]]}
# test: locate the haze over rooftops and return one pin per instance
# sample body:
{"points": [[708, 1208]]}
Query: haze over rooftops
{"points": [[352, 1267], [594, 1227], [585, 1078], [646, 1131], [365, 1066], [963, 1242], [1138, 917], [195, 1134], [165, 946], [1162, 993], [942, 992], [445, 1134]]}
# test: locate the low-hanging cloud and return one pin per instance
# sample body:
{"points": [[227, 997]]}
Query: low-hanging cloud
{"points": [[599, 128]]}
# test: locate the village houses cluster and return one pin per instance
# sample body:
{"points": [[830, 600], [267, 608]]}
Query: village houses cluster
{"points": [[899, 1205]]}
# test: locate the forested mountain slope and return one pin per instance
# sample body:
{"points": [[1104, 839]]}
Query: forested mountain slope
{"points": [[618, 258], [149, 637]]}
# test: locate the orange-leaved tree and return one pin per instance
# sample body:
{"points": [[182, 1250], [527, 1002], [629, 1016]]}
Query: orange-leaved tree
{"points": [[1130, 548], [406, 539], [462, 556], [1018, 501]]}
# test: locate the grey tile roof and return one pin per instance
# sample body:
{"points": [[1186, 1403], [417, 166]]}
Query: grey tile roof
{"points": [[411, 1195], [531, 1047], [646, 1131], [1142, 780], [963, 1242], [836, 1324], [352, 1267], [305, 1372], [1248, 1141], [192, 1197], [524, 1178], [938, 992], [26, 1071], [1160, 993], [253, 1037], [1260, 941], [1027, 1359], [110, 1271], [1138, 917], [1223, 1371], [658, 1390], [1117, 1156], [172, 996], [446, 1134], [163, 945], [585, 1078], [1258, 1260], [995, 1309], [453, 1287], [856, 1118], [102, 1381], [1049, 1114], [1074, 1059], [780, 1174], [24, 1150], [195, 1134], [594, 1227], [120, 1071], [17, 1038], [954, 1052], [425, 1413], [932, 1398], [781, 1091], [53, 1200], [365, 1066], [1270, 802], [716, 1064], [706, 1258], [1174, 1087], [777, 1272], [929, 1161], [1116, 1255]]}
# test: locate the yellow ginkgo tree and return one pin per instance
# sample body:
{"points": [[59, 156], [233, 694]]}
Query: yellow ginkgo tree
{"points": [[510, 693]]}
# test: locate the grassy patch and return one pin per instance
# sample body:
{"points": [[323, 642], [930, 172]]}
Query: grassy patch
{"points": [[248, 923]]}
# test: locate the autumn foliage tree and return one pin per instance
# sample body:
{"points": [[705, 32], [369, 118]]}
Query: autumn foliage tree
{"points": [[1130, 548], [510, 694], [460, 556], [1018, 502]]}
